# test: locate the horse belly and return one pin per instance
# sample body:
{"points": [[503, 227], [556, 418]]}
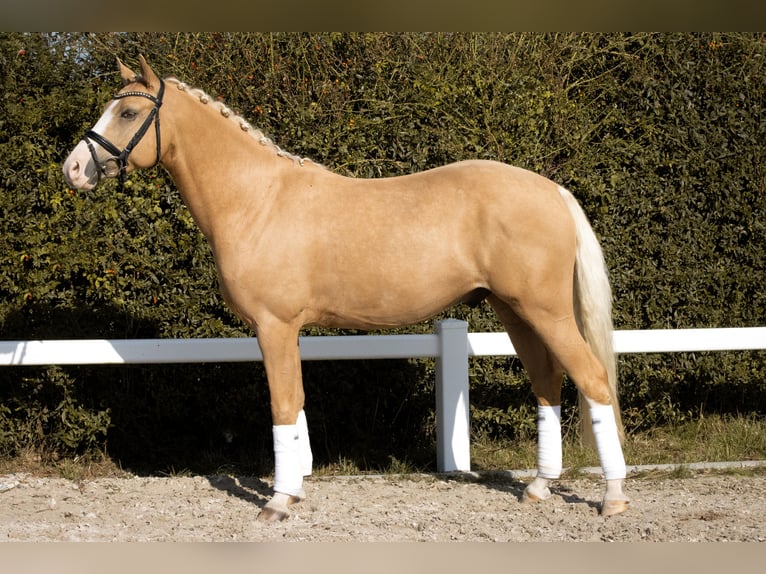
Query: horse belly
{"points": [[395, 285]]}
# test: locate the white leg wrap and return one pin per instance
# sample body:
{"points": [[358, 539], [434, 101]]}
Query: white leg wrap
{"points": [[288, 474], [304, 447], [549, 457], [608, 441]]}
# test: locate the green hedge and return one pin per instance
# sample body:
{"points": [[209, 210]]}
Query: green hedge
{"points": [[660, 136]]}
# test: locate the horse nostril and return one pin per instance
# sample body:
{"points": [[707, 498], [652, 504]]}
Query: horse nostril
{"points": [[71, 171]]}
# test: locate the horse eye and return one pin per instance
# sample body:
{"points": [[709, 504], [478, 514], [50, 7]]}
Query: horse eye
{"points": [[128, 115]]}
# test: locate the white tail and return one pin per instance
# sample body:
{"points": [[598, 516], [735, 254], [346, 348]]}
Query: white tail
{"points": [[593, 308]]}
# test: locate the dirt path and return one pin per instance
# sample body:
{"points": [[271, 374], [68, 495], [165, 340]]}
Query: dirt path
{"points": [[705, 507]]}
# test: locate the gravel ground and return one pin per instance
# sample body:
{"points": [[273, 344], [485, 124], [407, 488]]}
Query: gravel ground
{"points": [[703, 507]]}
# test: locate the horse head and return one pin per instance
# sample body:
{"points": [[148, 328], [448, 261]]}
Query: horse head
{"points": [[121, 140]]}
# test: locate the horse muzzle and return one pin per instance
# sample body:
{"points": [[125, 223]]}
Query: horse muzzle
{"points": [[80, 171]]}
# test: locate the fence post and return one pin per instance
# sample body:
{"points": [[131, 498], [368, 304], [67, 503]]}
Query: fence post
{"points": [[453, 442]]}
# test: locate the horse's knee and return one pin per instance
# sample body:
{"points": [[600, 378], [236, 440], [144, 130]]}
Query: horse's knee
{"points": [[286, 403]]}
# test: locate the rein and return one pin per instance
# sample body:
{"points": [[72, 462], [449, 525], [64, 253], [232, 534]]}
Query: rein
{"points": [[116, 165]]}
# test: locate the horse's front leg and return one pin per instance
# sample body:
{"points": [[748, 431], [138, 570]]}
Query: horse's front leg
{"points": [[292, 451]]}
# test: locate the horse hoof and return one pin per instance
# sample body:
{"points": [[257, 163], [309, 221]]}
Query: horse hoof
{"points": [[276, 509], [528, 497], [612, 507], [273, 515], [296, 498], [536, 492]]}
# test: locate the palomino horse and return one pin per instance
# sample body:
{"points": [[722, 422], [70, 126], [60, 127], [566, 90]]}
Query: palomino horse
{"points": [[373, 253]]}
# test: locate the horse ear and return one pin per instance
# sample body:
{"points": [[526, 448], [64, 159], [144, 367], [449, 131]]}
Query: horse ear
{"points": [[128, 75], [148, 74]]}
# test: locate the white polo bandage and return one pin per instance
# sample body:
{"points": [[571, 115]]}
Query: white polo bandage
{"points": [[288, 473], [304, 447], [607, 441], [549, 457]]}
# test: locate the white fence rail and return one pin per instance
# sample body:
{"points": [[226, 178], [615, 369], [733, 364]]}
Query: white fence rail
{"points": [[451, 345]]}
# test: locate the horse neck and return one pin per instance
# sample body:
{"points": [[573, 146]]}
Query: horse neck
{"points": [[221, 170]]}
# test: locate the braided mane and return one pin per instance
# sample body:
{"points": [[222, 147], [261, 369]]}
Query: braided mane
{"points": [[229, 114]]}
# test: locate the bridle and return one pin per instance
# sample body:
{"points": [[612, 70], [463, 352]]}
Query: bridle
{"points": [[116, 165]]}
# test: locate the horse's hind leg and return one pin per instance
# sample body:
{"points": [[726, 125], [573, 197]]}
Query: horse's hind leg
{"points": [[552, 322], [562, 337], [590, 377], [546, 375]]}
